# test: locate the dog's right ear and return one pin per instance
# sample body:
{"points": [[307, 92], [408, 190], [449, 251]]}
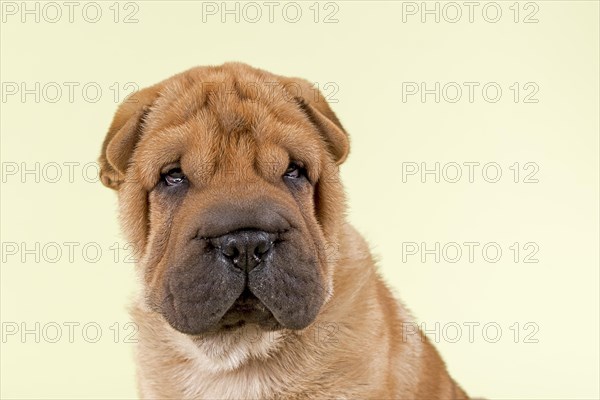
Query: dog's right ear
{"points": [[123, 136]]}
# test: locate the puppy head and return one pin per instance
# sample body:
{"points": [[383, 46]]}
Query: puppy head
{"points": [[228, 186]]}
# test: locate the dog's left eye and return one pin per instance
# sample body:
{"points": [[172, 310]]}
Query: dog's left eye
{"points": [[294, 171], [173, 177]]}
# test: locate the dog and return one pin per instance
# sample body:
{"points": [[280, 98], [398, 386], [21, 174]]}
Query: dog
{"points": [[254, 285]]}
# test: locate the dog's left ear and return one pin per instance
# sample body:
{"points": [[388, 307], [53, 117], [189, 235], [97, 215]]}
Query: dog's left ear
{"points": [[123, 135], [314, 105]]}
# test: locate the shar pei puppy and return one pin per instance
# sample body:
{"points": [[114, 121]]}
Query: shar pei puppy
{"points": [[254, 285]]}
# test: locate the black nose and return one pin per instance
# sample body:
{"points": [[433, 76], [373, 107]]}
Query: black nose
{"points": [[245, 249]]}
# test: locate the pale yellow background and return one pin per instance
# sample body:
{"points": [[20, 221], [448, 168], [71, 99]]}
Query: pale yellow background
{"points": [[367, 54]]}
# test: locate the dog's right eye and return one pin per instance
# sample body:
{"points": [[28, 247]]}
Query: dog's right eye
{"points": [[174, 177]]}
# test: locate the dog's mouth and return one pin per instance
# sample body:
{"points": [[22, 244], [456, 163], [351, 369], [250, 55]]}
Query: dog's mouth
{"points": [[248, 309], [244, 280]]}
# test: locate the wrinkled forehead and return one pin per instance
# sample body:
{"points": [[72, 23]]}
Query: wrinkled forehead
{"points": [[234, 98], [230, 121]]}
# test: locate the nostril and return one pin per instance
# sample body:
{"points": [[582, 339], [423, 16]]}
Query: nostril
{"points": [[229, 247], [230, 252], [262, 248]]}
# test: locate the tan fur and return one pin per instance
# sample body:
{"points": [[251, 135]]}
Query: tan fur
{"points": [[358, 347]]}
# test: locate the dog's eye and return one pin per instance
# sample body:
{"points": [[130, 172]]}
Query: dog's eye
{"points": [[174, 177], [294, 171]]}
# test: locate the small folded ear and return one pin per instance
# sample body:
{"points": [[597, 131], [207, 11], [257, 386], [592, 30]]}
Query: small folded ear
{"points": [[314, 105], [123, 135]]}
